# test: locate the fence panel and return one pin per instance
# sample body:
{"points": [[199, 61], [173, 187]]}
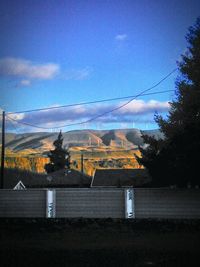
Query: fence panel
{"points": [[22, 203], [102, 203], [91, 203], [167, 203]]}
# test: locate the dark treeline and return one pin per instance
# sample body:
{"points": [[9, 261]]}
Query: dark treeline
{"points": [[174, 160]]}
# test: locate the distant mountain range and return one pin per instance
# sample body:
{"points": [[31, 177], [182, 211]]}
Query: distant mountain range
{"points": [[42, 142]]}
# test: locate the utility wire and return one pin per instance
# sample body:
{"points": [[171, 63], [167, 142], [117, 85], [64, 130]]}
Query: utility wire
{"points": [[119, 107], [102, 100], [12, 122], [31, 125], [144, 92], [72, 124], [87, 103]]}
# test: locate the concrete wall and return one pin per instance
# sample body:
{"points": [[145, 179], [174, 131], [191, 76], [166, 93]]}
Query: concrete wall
{"points": [[26, 203], [70, 203], [90, 203], [102, 203], [167, 203]]}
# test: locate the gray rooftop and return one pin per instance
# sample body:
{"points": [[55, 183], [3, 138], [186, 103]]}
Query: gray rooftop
{"points": [[120, 177]]}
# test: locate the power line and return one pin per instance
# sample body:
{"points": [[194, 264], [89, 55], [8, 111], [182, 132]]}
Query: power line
{"points": [[119, 107], [12, 122], [144, 92], [31, 125], [101, 100], [100, 115], [72, 124], [87, 103]]}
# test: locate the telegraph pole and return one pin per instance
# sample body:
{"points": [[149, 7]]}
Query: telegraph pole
{"points": [[82, 164], [81, 170], [2, 149]]}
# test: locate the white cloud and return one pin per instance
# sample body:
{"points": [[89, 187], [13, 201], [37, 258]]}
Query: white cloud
{"points": [[141, 107], [77, 74], [25, 68], [25, 83], [17, 116], [121, 37], [27, 71]]}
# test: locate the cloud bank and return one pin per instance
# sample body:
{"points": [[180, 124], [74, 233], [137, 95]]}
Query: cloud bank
{"points": [[138, 110], [27, 69]]}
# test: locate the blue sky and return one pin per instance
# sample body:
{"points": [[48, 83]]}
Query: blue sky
{"points": [[62, 52]]}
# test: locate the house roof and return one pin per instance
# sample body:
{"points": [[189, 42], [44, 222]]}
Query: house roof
{"points": [[120, 177], [61, 178], [19, 186]]}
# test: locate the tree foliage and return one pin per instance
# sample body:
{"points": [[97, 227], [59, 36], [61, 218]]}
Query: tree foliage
{"points": [[59, 157], [175, 159]]}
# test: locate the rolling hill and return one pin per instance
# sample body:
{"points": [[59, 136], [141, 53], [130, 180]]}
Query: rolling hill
{"points": [[40, 143], [100, 149]]}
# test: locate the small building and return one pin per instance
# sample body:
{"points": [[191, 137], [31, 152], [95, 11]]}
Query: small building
{"points": [[58, 179], [120, 178], [19, 186]]}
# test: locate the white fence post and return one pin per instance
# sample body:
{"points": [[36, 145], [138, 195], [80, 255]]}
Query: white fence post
{"points": [[50, 203], [129, 203]]}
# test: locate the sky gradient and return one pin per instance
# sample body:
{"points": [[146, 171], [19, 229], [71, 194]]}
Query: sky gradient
{"points": [[63, 52]]}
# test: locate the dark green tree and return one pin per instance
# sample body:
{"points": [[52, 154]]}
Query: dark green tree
{"points": [[175, 159], [59, 157]]}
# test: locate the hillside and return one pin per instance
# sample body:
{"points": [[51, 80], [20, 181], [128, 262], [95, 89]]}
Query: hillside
{"points": [[101, 149], [43, 141]]}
